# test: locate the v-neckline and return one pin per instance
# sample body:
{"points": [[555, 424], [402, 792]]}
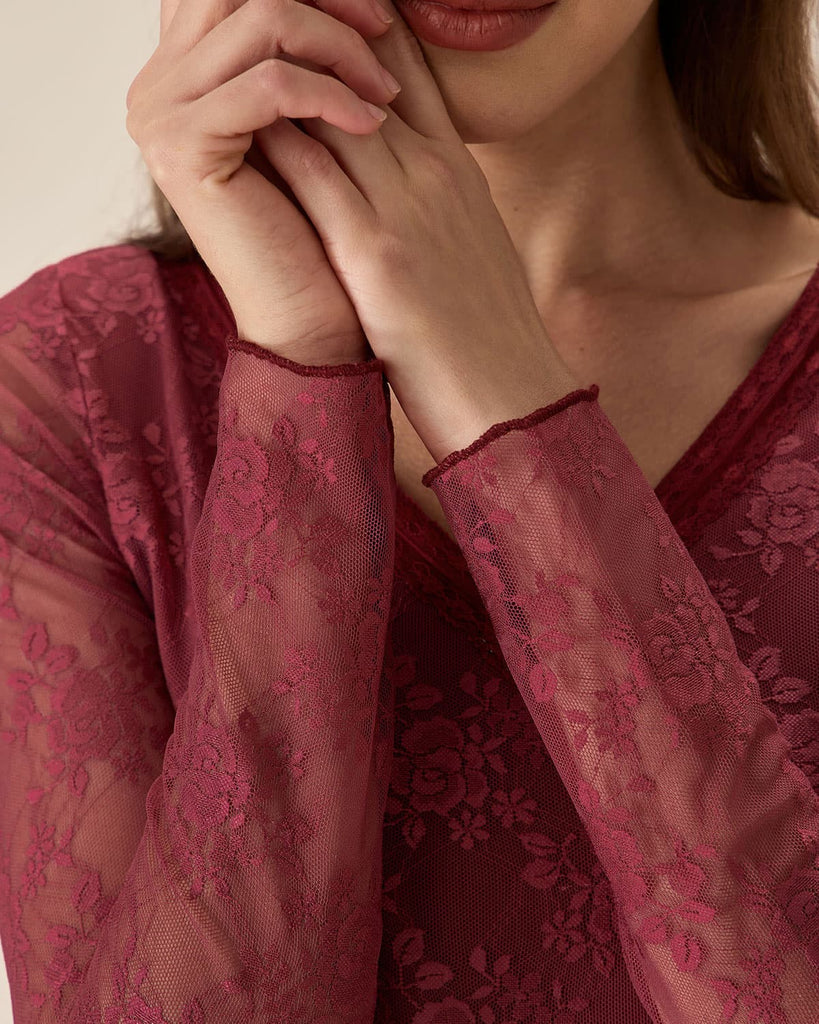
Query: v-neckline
{"points": [[699, 486], [694, 492]]}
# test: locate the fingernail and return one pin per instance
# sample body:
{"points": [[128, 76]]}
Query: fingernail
{"points": [[375, 111], [389, 81], [383, 15]]}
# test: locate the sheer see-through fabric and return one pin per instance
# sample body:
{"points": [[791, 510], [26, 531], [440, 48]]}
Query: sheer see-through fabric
{"points": [[276, 749]]}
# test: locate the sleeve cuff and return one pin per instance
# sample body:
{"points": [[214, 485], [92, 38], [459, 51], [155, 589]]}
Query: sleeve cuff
{"points": [[372, 365], [496, 430]]}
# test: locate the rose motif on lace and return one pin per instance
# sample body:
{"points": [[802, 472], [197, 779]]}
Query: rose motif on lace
{"points": [[43, 312], [787, 512], [123, 505], [687, 649], [784, 511], [118, 286], [238, 510], [214, 786], [802, 732], [439, 768], [613, 726], [246, 569], [252, 485], [83, 725], [799, 898]]}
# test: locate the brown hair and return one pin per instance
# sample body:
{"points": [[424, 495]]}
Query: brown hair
{"points": [[743, 77]]}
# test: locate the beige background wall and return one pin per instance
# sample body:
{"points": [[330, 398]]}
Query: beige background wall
{"points": [[71, 178], [70, 174]]}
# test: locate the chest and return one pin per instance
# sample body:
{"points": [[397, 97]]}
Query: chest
{"points": [[660, 386], [656, 435]]}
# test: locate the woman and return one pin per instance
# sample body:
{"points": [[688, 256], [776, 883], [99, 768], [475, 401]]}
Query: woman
{"points": [[363, 660]]}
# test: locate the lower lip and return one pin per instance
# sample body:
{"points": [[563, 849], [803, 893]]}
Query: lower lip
{"points": [[471, 30]]}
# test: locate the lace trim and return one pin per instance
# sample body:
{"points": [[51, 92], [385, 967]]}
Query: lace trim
{"points": [[232, 343], [520, 423]]}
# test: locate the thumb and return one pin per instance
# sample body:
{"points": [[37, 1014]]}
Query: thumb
{"points": [[166, 12]]}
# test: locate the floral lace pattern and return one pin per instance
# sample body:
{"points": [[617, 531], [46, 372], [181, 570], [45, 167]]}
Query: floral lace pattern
{"points": [[276, 749]]}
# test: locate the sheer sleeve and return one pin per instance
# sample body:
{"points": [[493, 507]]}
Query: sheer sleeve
{"points": [[705, 826], [218, 861]]}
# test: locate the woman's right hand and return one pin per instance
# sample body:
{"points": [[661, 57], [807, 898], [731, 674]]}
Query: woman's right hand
{"points": [[221, 77]]}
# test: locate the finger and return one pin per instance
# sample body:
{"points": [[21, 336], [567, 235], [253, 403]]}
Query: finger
{"points": [[191, 20], [182, 23], [167, 15], [247, 38], [265, 93], [186, 23], [167, 11], [326, 195], [365, 16], [419, 104], [371, 163], [196, 18]]}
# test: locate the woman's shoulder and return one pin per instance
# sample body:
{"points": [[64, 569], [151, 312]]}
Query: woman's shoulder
{"points": [[110, 342], [99, 318], [79, 280], [106, 292], [110, 370]]}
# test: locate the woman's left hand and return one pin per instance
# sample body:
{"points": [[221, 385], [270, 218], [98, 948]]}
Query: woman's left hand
{"points": [[409, 226]]}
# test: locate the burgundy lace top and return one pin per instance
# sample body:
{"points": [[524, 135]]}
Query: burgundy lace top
{"points": [[276, 749]]}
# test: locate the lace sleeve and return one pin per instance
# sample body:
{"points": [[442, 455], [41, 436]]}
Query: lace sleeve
{"points": [[218, 861], [704, 825]]}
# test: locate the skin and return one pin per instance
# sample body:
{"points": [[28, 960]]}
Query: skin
{"points": [[576, 132], [651, 281]]}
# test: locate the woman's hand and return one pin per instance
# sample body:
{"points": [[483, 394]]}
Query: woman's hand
{"points": [[224, 76], [408, 223]]}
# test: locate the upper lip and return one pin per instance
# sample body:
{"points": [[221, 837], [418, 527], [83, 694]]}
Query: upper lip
{"points": [[492, 5]]}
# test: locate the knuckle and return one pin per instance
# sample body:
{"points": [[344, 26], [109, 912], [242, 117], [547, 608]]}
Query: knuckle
{"points": [[133, 89], [316, 160], [153, 153], [355, 39], [436, 166], [134, 122], [134, 92], [272, 72], [159, 158], [353, 44], [392, 255], [131, 125], [265, 15]]}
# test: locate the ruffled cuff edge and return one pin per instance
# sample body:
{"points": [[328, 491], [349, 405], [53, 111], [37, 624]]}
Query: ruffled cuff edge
{"points": [[497, 429], [374, 365]]}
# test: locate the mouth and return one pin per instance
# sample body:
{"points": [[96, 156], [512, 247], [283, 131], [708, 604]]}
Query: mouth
{"points": [[475, 24], [490, 6]]}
